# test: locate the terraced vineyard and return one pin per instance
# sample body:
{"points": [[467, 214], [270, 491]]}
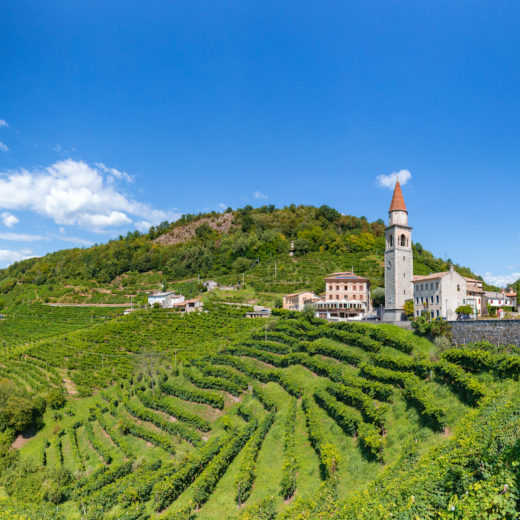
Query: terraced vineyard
{"points": [[213, 416]]}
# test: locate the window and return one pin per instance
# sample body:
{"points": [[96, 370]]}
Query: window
{"points": [[432, 314], [463, 301], [391, 240], [437, 285], [458, 287], [337, 296], [437, 313], [437, 299], [403, 240], [330, 287], [417, 300], [337, 287], [422, 299], [431, 299], [346, 287], [431, 286]]}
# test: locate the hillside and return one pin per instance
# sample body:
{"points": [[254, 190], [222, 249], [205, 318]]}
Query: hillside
{"points": [[213, 416], [250, 245]]}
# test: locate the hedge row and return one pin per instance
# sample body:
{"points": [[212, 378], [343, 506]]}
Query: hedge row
{"points": [[420, 367], [99, 446], [270, 346], [209, 478], [345, 418], [114, 473], [263, 375], [116, 437], [504, 365], [162, 441], [168, 489], [357, 399], [192, 394], [413, 391], [266, 401], [279, 337], [290, 466], [172, 427], [224, 372], [324, 348], [328, 453], [471, 390], [164, 404], [215, 383], [246, 474], [72, 433]]}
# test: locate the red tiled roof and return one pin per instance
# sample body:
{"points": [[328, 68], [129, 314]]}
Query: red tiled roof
{"points": [[398, 199]]}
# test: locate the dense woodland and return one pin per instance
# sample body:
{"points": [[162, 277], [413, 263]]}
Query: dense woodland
{"points": [[323, 239]]}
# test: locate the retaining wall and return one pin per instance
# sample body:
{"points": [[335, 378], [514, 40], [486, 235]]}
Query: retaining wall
{"points": [[498, 332]]}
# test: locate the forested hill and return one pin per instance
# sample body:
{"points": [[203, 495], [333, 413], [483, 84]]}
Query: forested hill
{"points": [[229, 245]]}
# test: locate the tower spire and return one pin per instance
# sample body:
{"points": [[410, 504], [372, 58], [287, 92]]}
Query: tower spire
{"points": [[398, 199]]}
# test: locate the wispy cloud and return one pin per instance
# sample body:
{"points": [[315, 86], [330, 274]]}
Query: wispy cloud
{"points": [[501, 280], [74, 193], [3, 147], [260, 195], [388, 181], [8, 219], [8, 256], [3, 122], [21, 237]]}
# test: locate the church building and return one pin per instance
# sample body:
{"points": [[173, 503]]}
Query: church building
{"points": [[398, 259]]}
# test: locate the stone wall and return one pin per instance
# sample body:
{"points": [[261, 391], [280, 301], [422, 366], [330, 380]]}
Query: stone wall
{"points": [[499, 332]]}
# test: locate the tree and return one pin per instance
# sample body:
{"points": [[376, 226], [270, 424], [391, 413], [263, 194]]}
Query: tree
{"points": [[464, 309], [409, 308], [378, 297]]}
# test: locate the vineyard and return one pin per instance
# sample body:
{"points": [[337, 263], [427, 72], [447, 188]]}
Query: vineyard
{"points": [[213, 416]]}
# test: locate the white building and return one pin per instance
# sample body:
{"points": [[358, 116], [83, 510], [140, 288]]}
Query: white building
{"points": [[439, 294], [500, 299], [210, 285], [398, 259], [166, 300]]}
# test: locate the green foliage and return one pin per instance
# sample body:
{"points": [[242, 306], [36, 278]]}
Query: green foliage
{"points": [[464, 309], [246, 475], [18, 409]]}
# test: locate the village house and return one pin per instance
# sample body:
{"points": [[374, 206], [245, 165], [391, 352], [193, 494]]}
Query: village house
{"points": [[192, 305], [347, 295], [439, 294], [500, 299], [297, 301], [166, 300]]}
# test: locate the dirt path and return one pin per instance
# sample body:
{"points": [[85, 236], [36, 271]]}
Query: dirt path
{"points": [[70, 386]]}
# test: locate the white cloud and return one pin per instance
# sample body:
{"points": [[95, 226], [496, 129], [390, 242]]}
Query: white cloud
{"points": [[501, 280], [8, 257], [115, 174], [260, 195], [8, 219], [143, 225], [21, 237], [74, 193], [3, 122], [3, 147], [388, 181]]}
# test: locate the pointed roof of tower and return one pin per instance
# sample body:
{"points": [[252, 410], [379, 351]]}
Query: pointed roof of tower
{"points": [[398, 200]]}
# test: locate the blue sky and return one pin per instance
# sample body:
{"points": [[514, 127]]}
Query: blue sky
{"points": [[114, 115]]}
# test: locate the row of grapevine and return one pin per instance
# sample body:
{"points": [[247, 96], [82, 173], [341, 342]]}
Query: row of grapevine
{"points": [[246, 476]]}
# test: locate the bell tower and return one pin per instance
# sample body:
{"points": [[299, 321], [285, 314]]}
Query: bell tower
{"points": [[398, 259]]}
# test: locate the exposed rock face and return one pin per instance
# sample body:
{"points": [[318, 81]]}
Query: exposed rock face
{"points": [[221, 224]]}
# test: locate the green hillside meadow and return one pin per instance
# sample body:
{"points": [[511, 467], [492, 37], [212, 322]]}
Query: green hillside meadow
{"points": [[212, 416]]}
